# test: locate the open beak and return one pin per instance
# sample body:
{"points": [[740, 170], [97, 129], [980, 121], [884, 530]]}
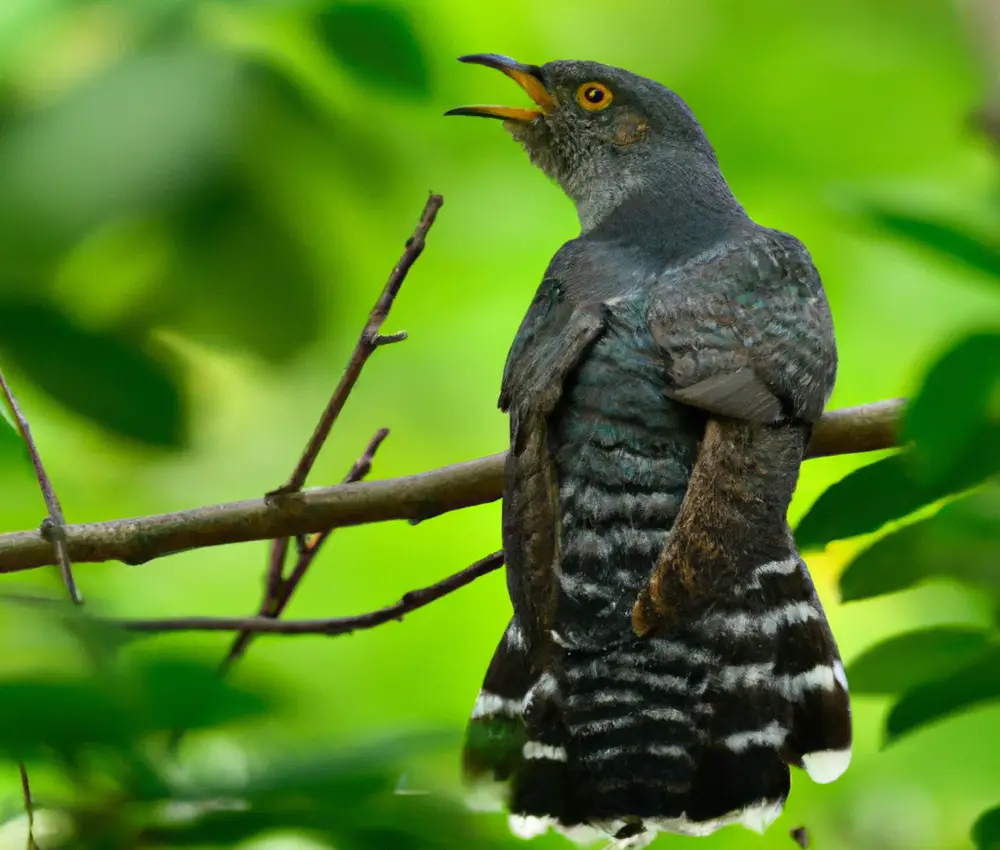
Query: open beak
{"points": [[528, 77]]}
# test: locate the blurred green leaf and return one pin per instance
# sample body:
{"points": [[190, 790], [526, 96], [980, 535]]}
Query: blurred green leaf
{"points": [[986, 830], [143, 134], [955, 401], [867, 498], [911, 659], [108, 379], [240, 277], [39, 718], [944, 239], [961, 541], [377, 43], [12, 446], [968, 687], [179, 693]]}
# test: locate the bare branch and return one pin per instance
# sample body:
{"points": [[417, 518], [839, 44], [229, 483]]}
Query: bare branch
{"points": [[367, 344], [336, 626], [420, 497], [852, 430], [54, 528], [274, 605]]}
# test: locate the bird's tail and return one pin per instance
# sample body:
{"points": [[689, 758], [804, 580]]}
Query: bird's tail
{"points": [[683, 732]]}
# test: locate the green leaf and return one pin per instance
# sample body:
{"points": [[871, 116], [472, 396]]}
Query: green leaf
{"points": [[138, 136], [907, 660], [377, 44], [974, 685], [888, 489], [961, 541], [942, 238], [986, 830], [241, 278], [104, 377], [61, 717], [12, 447], [178, 693], [956, 400]]}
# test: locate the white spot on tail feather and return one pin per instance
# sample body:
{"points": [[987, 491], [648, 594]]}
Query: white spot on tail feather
{"points": [[488, 705], [767, 622], [822, 676], [840, 675], [535, 750], [826, 765], [782, 568], [772, 735]]}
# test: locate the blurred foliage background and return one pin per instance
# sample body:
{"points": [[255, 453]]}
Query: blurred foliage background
{"points": [[199, 201]]}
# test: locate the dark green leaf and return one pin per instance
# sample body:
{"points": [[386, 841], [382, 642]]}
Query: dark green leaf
{"points": [[907, 660], [945, 239], [986, 830], [109, 379], [866, 499], [953, 404], [240, 278], [377, 43], [970, 686], [175, 694], [61, 717], [961, 541]]}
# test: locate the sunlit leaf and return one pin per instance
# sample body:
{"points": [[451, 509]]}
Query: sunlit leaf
{"points": [[940, 237], [970, 686], [888, 489], [986, 830], [955, 401], [377, 43], [106, 378], [907, 660], [961, 541]]}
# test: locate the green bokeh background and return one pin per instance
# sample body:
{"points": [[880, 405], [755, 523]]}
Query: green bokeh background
{"points": [[239, 226]]}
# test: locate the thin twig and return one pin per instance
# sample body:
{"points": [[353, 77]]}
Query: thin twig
{"points": [[29, 806], [368, 342], [336, 626], [274, 604], [54, 528], [421, 496]]}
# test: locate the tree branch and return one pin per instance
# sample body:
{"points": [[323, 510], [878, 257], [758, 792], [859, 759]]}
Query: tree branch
{"points": [[413, 497], [336, 626], [53, 529], [368, 343], [277, 600]]}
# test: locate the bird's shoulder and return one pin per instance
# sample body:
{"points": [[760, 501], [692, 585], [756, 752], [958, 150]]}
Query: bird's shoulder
{"points": [[751, 259]]}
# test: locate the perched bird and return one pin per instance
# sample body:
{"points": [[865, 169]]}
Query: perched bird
{"points": [[667, 658]]}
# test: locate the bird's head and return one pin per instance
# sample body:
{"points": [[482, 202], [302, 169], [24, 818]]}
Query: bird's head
{"points": [[602, 133]]}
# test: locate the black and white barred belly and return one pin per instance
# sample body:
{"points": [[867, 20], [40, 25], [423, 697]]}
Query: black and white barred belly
{"points": [[684, 732]]}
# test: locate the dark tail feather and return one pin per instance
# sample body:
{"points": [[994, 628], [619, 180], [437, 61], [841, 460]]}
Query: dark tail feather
{"points": [[685, 732]]}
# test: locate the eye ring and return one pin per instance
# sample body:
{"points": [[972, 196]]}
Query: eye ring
{"points": [[594, 96]]}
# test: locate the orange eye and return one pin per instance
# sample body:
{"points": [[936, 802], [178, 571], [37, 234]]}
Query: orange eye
{"points": [[594, 96]]}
